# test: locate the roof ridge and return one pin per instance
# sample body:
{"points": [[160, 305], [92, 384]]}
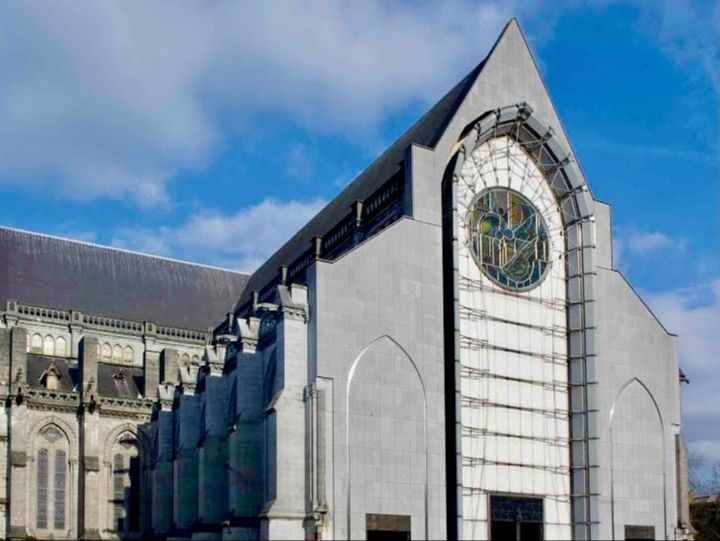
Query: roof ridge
{"points": [[118, 249]]}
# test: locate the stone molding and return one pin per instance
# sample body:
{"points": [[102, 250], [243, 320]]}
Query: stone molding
{"points": [[78, 321]]}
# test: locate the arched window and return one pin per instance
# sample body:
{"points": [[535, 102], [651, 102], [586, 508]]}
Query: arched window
{"points": [[36, 343], [106, 352], [125, 480], [117, 354], [128, 355], [60, 347], [52, 483], [48, 345]]}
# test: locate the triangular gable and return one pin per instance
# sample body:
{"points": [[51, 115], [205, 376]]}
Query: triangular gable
{"points": [[509, 76]]}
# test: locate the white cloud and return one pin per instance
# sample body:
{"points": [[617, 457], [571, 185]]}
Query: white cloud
{"points": [[630, 243], [643, 243], [688, 33], [238, 241], [694, 314], [111, 99]]}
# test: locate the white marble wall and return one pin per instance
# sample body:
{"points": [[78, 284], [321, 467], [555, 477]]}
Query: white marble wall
{"points": [[379, 308]]}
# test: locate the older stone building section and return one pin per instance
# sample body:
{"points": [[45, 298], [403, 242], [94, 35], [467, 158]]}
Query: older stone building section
{"points": [[444, 351], [87, 336]]}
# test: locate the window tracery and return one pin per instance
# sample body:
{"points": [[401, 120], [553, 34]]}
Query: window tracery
{"points": [[508, 238], [51, 480], [125, 480]]}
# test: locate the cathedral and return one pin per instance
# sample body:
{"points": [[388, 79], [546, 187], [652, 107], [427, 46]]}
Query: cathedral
{"points": [[445, 351]]}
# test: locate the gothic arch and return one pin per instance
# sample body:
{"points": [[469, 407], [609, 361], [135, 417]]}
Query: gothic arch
{"points": [[636, 382], [552, 156], [143, 446], [351, 374], [555, 160], [61, 425], [115, 433], [34, 445]]}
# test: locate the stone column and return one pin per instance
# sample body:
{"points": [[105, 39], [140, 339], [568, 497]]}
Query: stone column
{"points": [[284, 515], [162, 473], [185, 465], [151, 366], [170, 366], [18, 478], [245, 496], [90, 492], [213, 453]]}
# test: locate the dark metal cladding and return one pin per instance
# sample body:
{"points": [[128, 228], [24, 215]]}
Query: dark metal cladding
{"points": [[69, 275]]}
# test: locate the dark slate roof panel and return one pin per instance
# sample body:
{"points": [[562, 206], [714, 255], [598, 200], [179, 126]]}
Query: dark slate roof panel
{"points": [[425, 132], [37, 364], [120, 381], [70, 275]]}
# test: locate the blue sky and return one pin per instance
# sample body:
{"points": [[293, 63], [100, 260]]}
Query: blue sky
{"points": [[211, 131]]}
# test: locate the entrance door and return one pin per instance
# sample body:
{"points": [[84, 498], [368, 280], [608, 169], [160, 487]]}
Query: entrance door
{"points": [[516, 518]]}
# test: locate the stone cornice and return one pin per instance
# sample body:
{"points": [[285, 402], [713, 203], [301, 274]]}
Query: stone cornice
{"points": [[16, 313]]}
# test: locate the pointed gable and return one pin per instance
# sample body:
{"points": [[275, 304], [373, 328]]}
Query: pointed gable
{"points": [[509, 76]]}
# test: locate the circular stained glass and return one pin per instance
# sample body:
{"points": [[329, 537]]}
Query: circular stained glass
{"points": [[508, 238]]}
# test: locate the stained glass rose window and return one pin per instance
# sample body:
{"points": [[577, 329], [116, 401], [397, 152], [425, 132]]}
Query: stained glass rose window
{"points": [[508, 238]]}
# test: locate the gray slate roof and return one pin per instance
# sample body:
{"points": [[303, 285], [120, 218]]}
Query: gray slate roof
{"points": [[37, 364], [425, 132], [70, 275], [120, 381]]}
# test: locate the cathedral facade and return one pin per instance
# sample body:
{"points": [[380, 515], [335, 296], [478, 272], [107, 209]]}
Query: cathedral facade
{"points": [[444, 351]]}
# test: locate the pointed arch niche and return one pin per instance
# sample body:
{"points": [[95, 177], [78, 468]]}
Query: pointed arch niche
{"points": [[52, 480], [637, 461], [386, 438], [554, 159], [125, 495]]}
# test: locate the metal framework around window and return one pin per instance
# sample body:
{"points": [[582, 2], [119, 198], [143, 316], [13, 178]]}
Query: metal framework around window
{"points": [[508, 238]]}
